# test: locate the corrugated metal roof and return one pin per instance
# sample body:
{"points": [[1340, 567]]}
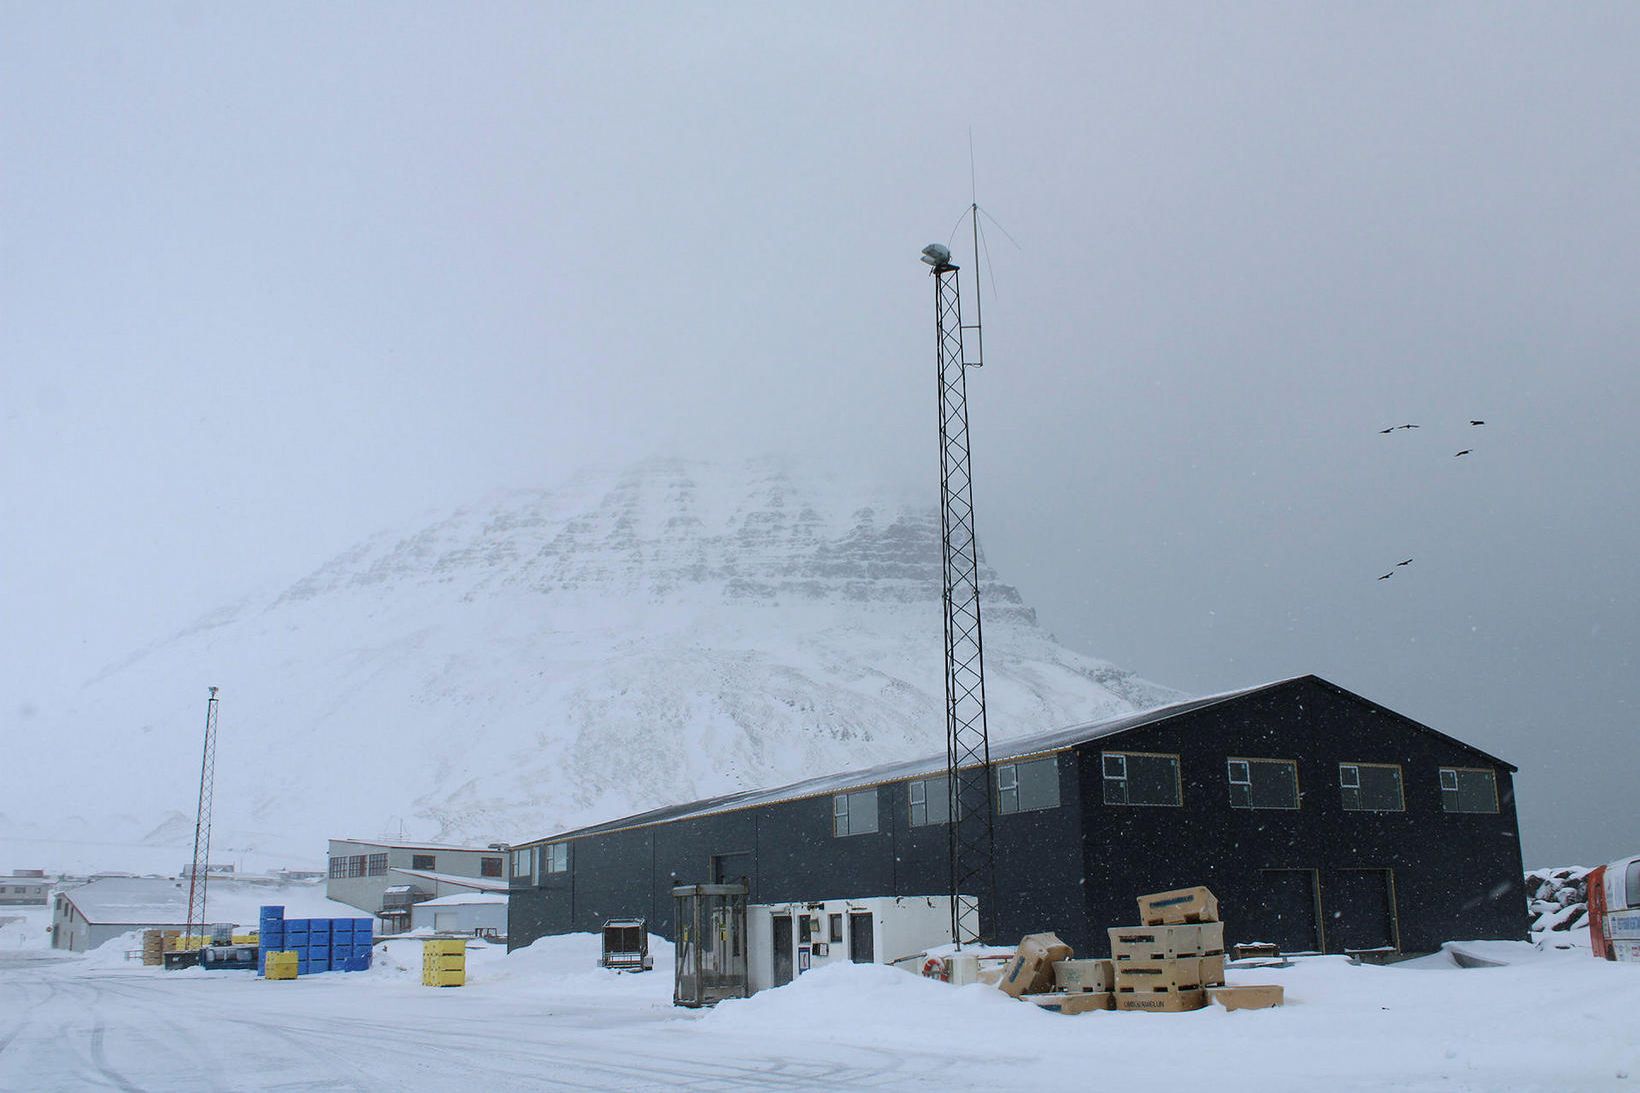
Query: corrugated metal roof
{"points": [[1016, 748], [477, 884], [135, 900]]}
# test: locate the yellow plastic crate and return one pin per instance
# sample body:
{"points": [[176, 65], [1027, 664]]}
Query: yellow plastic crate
{"points": [[446, 946], [281, 965], [444, 963]]}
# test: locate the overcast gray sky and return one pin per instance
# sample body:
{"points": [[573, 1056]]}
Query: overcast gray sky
{"points": [[274, 277]]}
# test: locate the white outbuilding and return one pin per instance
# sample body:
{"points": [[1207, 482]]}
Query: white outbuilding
{"points": [[482, 914]]}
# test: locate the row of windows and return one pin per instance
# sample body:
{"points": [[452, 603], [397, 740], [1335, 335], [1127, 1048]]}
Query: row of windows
{"points": [[375, 865], [1136, 778], [554, 859], [358, 865]]}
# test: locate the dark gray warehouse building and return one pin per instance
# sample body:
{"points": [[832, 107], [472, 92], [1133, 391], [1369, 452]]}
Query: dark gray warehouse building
{"points": [[1324, 822]]}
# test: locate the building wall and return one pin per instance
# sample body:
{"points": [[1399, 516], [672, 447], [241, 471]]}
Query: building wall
{"points": [[365, 892], [1455, 876], [1078, 868], [787, 852], [15, 891], [461, 918]]}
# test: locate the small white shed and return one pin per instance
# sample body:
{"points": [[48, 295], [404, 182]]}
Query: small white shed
{"points": [[482, 914]]}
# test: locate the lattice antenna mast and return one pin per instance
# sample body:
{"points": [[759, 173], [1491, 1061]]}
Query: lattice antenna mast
{"points": [[967, 740], [199, 876]]}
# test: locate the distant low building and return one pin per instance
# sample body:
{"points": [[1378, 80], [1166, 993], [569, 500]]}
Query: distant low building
{"points": [[100, 910], [26, 887], [387, 879], [482, 914]]}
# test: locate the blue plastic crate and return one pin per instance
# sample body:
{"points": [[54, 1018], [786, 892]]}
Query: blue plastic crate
{"points": [[270, 941], [302, 967], [319, 963], [364, 925], [361, 950], [270, 911]]}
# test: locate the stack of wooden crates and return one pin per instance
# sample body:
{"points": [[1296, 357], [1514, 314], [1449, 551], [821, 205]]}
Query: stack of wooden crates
{"points": [[444, 962], [1167, 963], [1173, 961]]}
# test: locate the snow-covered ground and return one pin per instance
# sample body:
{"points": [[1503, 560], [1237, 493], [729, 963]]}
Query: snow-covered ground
{"points": [[548, 1018]]}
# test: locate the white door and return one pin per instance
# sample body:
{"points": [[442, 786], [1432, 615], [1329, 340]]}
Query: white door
{"points": [[446, 920]]}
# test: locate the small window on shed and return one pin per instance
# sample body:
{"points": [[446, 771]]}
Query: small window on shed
{"points": [[376, 866], [1263, 783], [1370, 787], [423, 861], [930, 801], [523, 863], [489, 867], [1138, 778], [854, 813], [1029, 786], [1468, 790], [338, 866]]}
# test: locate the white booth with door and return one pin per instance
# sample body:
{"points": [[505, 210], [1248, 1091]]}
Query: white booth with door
{"points": [[784, 940]]}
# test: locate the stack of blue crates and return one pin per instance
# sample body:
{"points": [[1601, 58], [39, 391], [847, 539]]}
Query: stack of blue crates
{"points": [[320, 944], [270, 934]]}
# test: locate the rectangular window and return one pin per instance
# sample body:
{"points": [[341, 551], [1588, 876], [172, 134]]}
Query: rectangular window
{"points": [[1029, 786], [1468, 790], [1263, 783], [555, 858], [1140, 778], [930, 801], [423, 861], [376, 865], [1370, 787], [854, 813], [489, 867], [834, 928], [1631, 885], [338, 866], [355, 865], [523, 863]]}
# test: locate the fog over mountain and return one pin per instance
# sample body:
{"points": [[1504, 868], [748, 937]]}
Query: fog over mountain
{"points": [[544, 658]]}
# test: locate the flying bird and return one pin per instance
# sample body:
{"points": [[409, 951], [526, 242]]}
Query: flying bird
{"points": [[1407, 562], [1387, 576], [1392, 428], [1466, 451], [1474, 422]]}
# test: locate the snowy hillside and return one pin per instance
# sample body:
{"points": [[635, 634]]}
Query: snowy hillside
{"points": [[549, 658]]}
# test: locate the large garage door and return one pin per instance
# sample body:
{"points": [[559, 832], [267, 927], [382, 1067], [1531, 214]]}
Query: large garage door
{"points": [[1286, 913], [1360, 909]]}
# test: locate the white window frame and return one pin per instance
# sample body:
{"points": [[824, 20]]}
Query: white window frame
{"points": [[555, 858], [1246, 763], [1354, 770], [523, 863], [1453, 789], [1007, 782], [842, 820], [1104, 769]]}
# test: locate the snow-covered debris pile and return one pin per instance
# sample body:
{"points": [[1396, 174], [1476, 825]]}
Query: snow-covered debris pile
{"points": [[1558, 902]]}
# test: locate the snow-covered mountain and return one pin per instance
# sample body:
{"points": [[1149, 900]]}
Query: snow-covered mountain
{"points": [[550, 658]]}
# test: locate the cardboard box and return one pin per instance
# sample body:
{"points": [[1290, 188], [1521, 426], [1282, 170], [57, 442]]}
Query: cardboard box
{"points": [[1031, 971], [1166, 942], [1083, 975], [1250, 997], [1162, 1001], [1169, 975], [1178, 907], [1074, 1001]]}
